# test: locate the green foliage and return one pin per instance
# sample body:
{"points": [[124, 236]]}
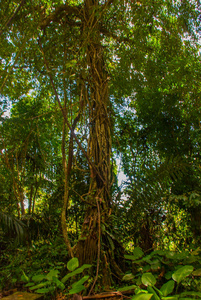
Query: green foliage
{"points": [[24, 277], [75, 272], [49, 283], [37, 260], [127, 288], [142, 296], [73, 264], [150, 54], [182, 273], [166, 275], [148, 279], [167, 288], [137, 253], [13, 227]]}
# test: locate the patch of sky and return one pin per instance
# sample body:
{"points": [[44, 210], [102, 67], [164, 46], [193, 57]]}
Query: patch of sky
{"points": [[122, 178], [5, 107]]}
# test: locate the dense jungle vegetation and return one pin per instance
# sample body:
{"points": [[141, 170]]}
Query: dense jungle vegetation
{"points": [[91, 90]]}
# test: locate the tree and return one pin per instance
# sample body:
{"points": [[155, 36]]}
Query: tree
{"points": [[88, 56], [160, 135]]}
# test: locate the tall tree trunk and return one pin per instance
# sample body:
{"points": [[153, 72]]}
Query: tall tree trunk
{"points": [[96, 243], [89, 247]]}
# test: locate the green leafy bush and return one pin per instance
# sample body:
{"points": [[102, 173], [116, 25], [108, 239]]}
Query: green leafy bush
{"points": [[164, 275], [49, 283]]}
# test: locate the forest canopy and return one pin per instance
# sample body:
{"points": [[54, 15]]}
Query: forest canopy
{"points": [[89, 90]]}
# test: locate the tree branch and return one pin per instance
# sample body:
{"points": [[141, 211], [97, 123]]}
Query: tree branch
{"points": [[66, 119], [59, 12]]}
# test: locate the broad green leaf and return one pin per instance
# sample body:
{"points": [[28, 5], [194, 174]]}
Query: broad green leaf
{"points": [[191, 259], [102, 227], [45, 290], [130, 257], [127, 288], [151, 290], [146, 268], [167, 288], [112, 246], [128, 277], [83, 267], [181, 273], [24, 277], [197, 272], [170, 254], [77, 271], [177, 256], [138, 290], [137, 252], [168, 275], [73, 264], [148, 279], [40, 285], [29, 284], [155, 264], [159, 252], [142, 296], [66, 277], [42, 291], [147, 258], [51, 274], [39, 277], [157, 290], [76, 289], [81, 281], [58, 283]]}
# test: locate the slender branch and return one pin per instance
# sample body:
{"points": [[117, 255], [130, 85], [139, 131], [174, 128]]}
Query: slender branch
{"points": [[59, 12], [66, 195], [67, 171], [65, 117]]}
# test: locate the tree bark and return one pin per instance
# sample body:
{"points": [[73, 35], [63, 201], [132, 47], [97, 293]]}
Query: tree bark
{"points": [[98, 211], [95, 242]]}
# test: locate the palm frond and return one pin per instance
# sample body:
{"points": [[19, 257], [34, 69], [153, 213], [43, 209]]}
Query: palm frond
{"points": [[13, 226], [147, 190]]}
